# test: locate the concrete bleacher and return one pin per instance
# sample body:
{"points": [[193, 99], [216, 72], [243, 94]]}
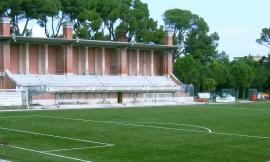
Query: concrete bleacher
{"points": [[84, 82]]}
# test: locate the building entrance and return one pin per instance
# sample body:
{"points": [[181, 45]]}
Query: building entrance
{"points": [[119, 97]]}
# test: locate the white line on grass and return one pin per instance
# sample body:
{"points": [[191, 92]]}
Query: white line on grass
{"points": [[147, 126], [55, 136], [126, 124], [252, 109], [19, 116], [46, 153], [189, 125], [227, 108], [139, 125], [240, 135], [79, 148]]}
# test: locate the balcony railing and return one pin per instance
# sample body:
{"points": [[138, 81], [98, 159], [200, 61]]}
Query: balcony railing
{"points": [[111, 88]]}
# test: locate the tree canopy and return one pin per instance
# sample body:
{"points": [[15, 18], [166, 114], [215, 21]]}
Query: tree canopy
{"points": [[197, 60], [264, 38], [18, 11], [95, 19], [190, 33]]}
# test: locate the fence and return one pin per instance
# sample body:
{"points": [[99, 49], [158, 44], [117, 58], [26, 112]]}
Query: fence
{"points": [[189, 89], [11, 97], [158, 97]]}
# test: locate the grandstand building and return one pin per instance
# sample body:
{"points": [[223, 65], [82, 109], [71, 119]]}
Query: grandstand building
{"points": [[67, 70]]}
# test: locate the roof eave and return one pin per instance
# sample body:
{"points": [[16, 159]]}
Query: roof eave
{"points": [[90, 43]]}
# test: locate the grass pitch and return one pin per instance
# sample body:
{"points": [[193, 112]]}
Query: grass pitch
{"points": [[205, 133]]}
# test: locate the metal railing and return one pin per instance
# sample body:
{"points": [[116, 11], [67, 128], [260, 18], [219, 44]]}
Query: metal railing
{"points": [[110, 88]]}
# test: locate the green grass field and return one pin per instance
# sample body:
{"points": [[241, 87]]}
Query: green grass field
{"points": [[205, 133]]}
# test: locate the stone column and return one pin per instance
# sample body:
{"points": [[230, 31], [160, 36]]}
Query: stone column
{"points": [[138, 62], [144, 63], [69, 59], [5, 52], [4, 46], [79, 60], [103, 61], [46, 59], [27, 58], [152, 62], [169, 62], [165, 64], [39, 60], [168, 55], [123, 62], [86, 61], [130, 62], [20, 59], [96, 62]]}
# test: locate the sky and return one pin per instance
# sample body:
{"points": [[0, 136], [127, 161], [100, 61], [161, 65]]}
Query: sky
{"points": [[238, 22]]}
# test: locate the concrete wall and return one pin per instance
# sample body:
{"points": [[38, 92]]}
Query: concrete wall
{"points": [[52, 59], [141, 63], [82, 60], [33, 59], [10, 98], [6, 83], [99, 61], [14, 58], [134, 62], [91, 60], [42, 59], [108, 61], [106, 98], [148, 63]]}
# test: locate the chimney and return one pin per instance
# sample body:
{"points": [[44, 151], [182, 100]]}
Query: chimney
{"points": [[169, 39], [68, 30], [5, 26], [122, 37], [168, 61]]}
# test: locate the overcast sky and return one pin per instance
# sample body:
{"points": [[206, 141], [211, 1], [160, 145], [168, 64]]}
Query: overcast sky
{"points": [[238, 22]]}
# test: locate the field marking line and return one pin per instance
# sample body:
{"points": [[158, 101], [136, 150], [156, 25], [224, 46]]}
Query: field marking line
{"points": [[19, 116], [46, 153], [55, 136], [241, 135], [79, 148], [139, 125], [177, 124], [252, 109], [120, 123], [210, 131], [238, 108]]}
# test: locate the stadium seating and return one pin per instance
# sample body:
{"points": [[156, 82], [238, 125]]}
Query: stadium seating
{"points": [[83, 82]]}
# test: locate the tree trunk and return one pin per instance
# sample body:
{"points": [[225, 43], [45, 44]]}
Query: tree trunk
{"points": [[25, 27]]}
